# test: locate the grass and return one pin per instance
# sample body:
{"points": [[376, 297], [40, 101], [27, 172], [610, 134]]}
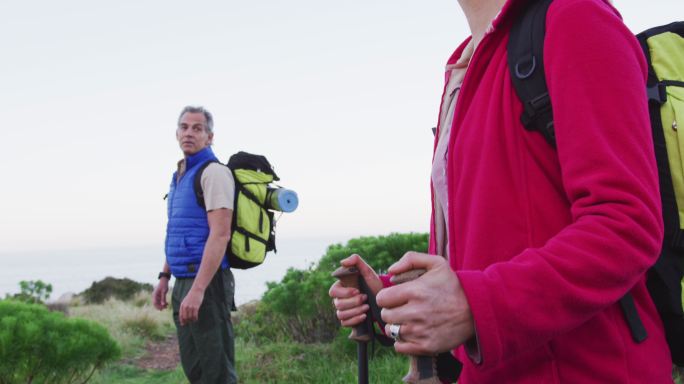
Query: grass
{"points": [[133, 323], [144, 326], [311, 363], [129, 374], [275, 363]]}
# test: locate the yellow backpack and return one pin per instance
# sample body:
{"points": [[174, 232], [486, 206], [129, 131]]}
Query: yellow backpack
{"points": [[252, 227], [664, 50]]}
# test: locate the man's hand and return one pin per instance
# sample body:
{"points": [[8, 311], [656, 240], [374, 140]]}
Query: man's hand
{"points": [[349, 302], [214, 249], [189, 308], [432, 310], [159, 294]]}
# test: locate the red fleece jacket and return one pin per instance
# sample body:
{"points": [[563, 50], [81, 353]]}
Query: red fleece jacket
{"points": [[545, 241]]}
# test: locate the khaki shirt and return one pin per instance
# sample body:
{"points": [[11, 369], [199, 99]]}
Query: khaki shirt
{"points": [[217, 184]]}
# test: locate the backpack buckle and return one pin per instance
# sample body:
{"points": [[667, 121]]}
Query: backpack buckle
{"points": [[656, 93], [538, 116], [535, 108]]}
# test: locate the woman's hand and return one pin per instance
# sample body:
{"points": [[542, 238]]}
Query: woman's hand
{"points": [[350, 302], [432, 310]]}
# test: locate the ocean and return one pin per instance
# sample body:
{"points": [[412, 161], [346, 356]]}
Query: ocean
{"points": [[76, 270]]}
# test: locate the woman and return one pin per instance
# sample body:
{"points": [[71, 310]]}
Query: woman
{"points": [[539, 243]]}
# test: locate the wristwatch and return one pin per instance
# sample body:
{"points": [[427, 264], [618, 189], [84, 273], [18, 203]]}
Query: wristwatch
{"points": [[164, 274]]}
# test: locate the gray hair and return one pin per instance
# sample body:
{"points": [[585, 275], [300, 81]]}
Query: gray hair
{"points": [[198, 109]]}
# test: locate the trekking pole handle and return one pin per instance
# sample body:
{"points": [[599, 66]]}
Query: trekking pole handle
{"points": [[349, 278], [422, 369]]}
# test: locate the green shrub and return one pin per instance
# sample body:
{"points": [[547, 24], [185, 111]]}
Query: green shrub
{"points": [[299, 308], [379, 252], [122, 289], [32, 292], [40, 346]]}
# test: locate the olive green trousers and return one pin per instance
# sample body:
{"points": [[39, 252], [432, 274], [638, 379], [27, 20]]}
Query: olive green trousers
{"points": [[207, 346]]}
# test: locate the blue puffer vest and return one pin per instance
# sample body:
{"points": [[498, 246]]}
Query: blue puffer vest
{"points": [[188, 229]]}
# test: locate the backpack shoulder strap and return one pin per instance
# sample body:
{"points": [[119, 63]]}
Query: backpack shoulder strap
{"points": [[197, 183], [526, 66]]}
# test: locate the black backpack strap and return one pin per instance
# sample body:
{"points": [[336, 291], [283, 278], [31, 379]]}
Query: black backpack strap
{"points": [[664, 285], [197, 183], [633, 320], [526, 66], [240, 187]]}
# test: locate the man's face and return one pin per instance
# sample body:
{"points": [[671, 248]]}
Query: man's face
{"points": [[192, 133]]}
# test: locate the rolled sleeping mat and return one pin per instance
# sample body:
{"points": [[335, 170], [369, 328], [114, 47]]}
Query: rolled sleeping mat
{"points": [[281, 199]]}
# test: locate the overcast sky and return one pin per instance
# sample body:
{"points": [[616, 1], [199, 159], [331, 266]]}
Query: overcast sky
{"points": [[339, 95]]}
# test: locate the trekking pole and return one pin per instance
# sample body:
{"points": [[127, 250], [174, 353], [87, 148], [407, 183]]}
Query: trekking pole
{"points": [[349, 277], [422, 369]]}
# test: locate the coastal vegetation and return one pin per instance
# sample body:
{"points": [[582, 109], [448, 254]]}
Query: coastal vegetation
{"points": [[110, 287], [32, 292], [37, 345], [289, 336], [298, 307]]}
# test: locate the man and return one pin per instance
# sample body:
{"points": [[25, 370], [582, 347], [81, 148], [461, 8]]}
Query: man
{"points": [[539, 243], [196, 240]]}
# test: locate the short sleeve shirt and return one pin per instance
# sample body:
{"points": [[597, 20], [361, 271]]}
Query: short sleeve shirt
{"points": [[218, 187]]}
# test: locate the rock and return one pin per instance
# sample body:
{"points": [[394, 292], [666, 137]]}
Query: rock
{"points": [[65, 298]]}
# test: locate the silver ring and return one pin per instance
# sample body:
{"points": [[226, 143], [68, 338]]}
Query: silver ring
{"points": [[394, 331]]}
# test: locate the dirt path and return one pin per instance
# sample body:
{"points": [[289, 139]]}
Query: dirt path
{"points": [[160, 355]]}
